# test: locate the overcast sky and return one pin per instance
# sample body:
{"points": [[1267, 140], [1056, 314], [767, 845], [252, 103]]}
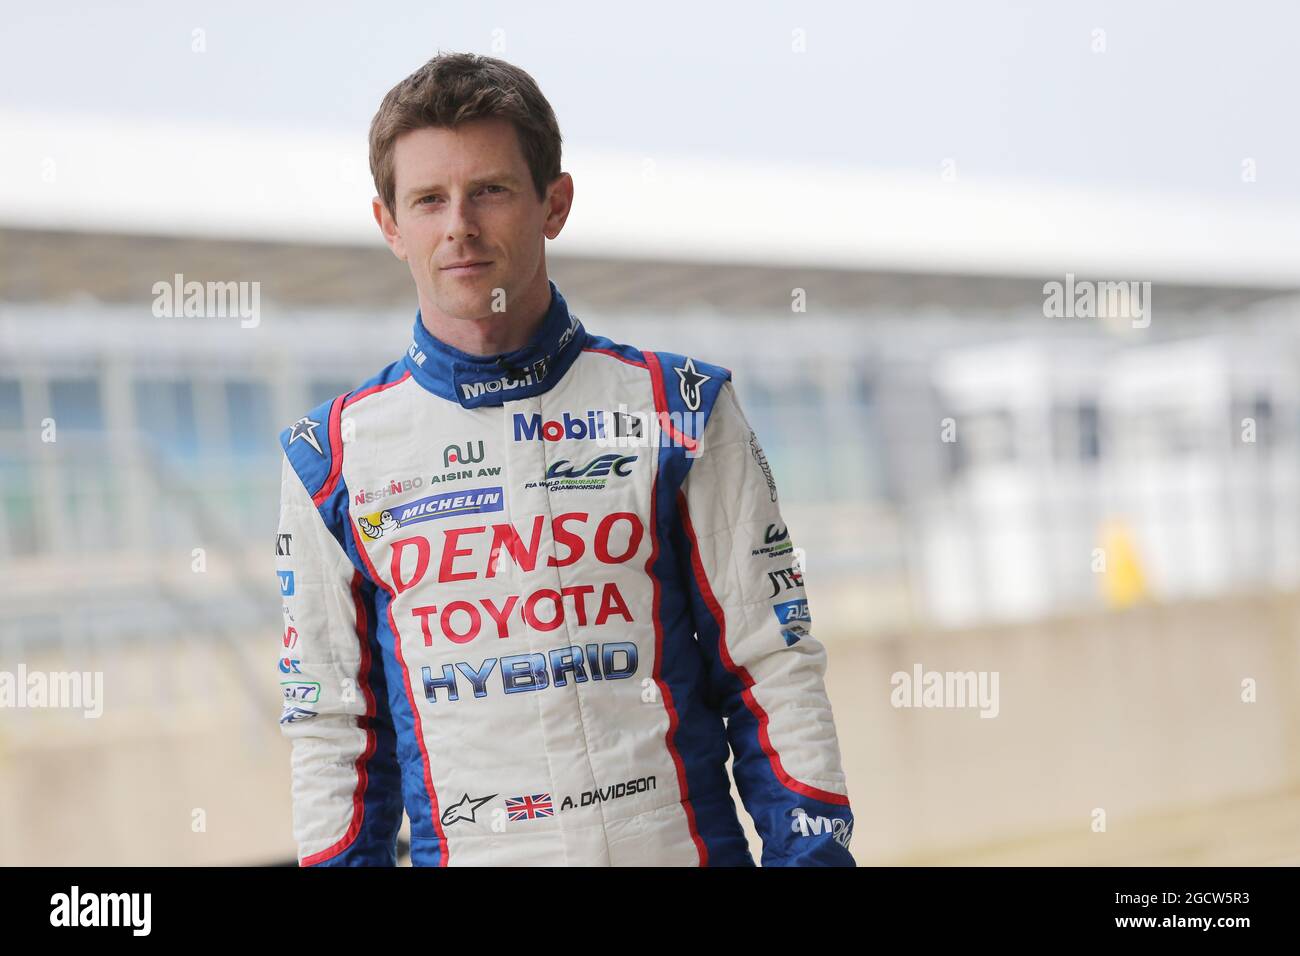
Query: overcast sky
{"points": [[1181, 95]]}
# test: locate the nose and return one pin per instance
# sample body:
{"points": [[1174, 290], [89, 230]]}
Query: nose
{"points": [[460, 221]]}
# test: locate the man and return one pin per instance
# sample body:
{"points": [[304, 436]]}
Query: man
{"points": [[528, 572]]}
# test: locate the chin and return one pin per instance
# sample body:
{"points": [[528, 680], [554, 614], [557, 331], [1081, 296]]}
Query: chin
{"points": [[464, 303]]}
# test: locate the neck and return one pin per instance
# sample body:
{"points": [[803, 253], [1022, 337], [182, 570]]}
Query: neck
{"points": [[492, 333]]}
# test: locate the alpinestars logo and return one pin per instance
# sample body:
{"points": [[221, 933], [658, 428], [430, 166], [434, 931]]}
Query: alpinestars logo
{"points": [[689, 384], [464, 809], [305, 429]]}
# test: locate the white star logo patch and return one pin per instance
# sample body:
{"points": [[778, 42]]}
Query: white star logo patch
{"points": [[305, 429], [690, 383]]}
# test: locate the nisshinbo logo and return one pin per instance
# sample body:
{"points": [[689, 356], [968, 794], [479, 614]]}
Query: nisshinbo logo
{"points": [[395, 487], [505, 383]]}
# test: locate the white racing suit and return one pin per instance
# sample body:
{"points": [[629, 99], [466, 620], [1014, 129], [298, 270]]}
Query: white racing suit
{"points": [[533, 600]]}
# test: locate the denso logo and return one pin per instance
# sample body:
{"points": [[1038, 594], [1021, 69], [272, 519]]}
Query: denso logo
{"points": [[532, 428], [506, 383], [465, 552]]}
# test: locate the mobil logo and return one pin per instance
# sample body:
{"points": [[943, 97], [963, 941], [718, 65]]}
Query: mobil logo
{"points": [[590, 424]]}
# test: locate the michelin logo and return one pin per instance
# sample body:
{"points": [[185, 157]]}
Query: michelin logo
{"points": [[445, 505]]}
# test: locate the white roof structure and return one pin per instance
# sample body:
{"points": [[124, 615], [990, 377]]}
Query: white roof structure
{"points": [[173, 179]]}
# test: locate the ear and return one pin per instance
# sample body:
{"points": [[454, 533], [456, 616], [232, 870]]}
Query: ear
{"points": [[388, 227], [559, 201]]}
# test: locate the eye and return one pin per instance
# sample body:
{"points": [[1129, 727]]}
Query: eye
{"points": [[497, 188], [421, 200]]}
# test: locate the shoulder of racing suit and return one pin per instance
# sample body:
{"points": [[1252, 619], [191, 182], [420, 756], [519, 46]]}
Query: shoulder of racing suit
{"points": [[684, 391], [314, 446]]}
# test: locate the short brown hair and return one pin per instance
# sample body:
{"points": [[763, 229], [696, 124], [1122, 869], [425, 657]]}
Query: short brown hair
{"points": [[454, 88]]}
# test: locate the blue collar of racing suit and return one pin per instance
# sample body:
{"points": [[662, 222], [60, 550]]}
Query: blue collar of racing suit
{"points": [[476, 380]]}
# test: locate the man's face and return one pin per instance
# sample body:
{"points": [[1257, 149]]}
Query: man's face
{"points": [[465, 195]]}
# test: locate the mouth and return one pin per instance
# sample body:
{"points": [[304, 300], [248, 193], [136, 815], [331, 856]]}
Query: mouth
{"points": [[467, 269]]}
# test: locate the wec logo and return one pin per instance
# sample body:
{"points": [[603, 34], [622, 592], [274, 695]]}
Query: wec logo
{"points": [[593, 476], [597, 468]]}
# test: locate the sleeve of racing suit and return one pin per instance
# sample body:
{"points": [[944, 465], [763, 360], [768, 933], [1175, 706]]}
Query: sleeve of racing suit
{"points": [[766, 669], [345, 783]]}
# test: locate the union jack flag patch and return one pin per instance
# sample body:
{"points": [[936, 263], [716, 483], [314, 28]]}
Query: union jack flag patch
{"points": [[526, 808]]}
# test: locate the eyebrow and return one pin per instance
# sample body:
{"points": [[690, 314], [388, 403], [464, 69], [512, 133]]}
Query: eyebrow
{"points": [[504, 179]]}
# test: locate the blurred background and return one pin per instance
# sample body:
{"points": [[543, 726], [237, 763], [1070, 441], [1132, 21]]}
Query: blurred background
{"points": [[859, 209]]}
